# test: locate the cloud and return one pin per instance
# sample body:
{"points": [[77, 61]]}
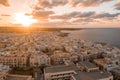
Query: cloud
{"points": [[4, 3], [44, 3], [117, 6], [59, 2], [85, 16], [51, 3], [91, 3], [74, 3], [42, 14], [73, 15], [76, 17], [5, 15], [107, 15], [87, 3], [42, 9]]}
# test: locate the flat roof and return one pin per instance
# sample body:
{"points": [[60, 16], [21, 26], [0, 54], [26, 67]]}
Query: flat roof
{"points": [[100, 61], [17, 77], [87, 64], [116, 70], [90, 75], [59, 68]]}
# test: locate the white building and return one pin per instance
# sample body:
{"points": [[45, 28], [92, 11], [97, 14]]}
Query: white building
{"points": [[61, 72], [92, 76], [18, 77], [14, 60], [3, 75], [43, 59], [107, 63], [87, 66], [39, 59]]}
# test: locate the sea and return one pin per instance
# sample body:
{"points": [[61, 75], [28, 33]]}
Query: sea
{"points": [[106, 35]]}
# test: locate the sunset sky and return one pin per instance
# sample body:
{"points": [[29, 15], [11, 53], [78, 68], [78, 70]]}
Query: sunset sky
{"points": [[60, 13]]}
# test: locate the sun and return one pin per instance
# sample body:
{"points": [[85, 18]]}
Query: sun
{"points": [[26, 21]]}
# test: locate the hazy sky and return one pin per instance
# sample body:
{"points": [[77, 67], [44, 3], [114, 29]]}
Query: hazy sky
{"points": [[60, 13]]}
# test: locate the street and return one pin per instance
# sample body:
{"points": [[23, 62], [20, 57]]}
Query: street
{"points": [[38, 74]]}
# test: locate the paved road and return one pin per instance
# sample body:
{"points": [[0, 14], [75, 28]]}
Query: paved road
{"points": [[38, 74]]}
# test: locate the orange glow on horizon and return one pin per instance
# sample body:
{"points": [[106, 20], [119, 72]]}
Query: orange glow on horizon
{"points": [[26, 21]]}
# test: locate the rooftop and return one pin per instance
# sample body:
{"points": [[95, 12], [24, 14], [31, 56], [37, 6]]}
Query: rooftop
{"points": [[100, 61], [2, 73], [116, 71], [17, 77], [59, 68], [87, 64], [91, 75], [4, 67]]}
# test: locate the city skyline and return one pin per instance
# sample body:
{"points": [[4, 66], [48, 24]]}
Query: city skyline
{"points": [[60, 13]]}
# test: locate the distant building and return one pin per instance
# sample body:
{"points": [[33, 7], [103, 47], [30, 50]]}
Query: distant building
{"points": [[33, 60], [14, 60], [3, 71], [4, 67], [116, 71], [68, 62], [59, 57], [107, 63], [43, 59], [39, 59], [3, 75], [61, 72], [73, 73], [18, 77], [87, 66], [84, 56], [92, 76]]}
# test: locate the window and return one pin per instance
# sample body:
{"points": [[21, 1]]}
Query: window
{"points": [[116, 63]]}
